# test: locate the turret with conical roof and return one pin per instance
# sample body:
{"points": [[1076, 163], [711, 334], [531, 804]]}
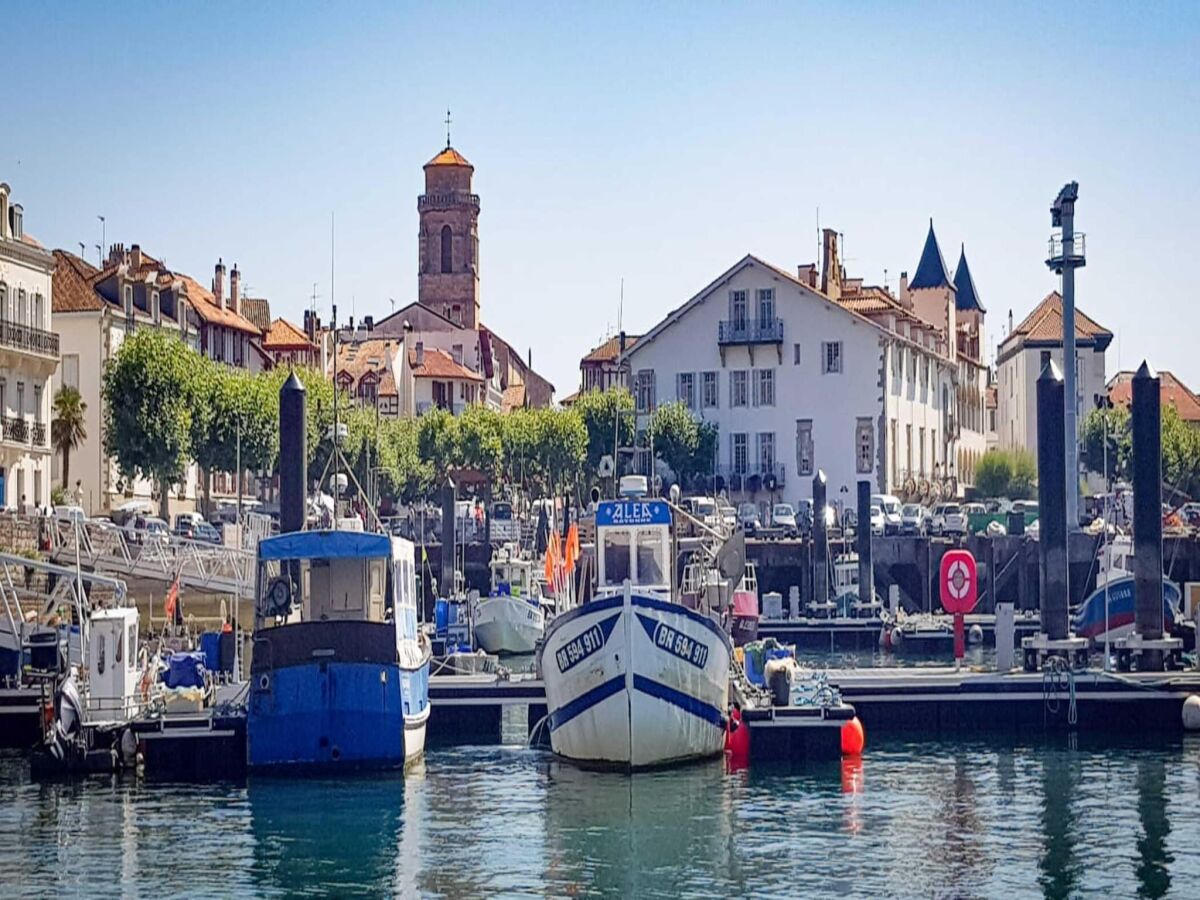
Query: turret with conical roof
{"points": [[931, 292], [931, 270], [965, 296]]}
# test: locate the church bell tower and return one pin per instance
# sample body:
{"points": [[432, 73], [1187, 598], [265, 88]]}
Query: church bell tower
{"points": [[448, 279]]}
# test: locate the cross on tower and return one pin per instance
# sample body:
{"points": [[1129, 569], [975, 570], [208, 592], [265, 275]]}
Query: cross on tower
{"points": [[447, 128]]}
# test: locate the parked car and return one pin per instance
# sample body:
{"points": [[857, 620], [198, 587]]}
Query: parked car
{"points": [[749, 518], [728, 516], [914, 519], [185, 524], [948, 518], [203, 531], [784, 517], [705, 509], [890, 507], [154, 529], [69, 513], [878, 526], [504, 525]]}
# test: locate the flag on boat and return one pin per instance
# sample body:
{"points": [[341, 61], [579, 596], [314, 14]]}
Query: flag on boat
{"points": [[171, 604], [552, 554], [571, 553]]}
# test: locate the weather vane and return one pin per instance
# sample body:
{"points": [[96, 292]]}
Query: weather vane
{"points": [[447, 128]]}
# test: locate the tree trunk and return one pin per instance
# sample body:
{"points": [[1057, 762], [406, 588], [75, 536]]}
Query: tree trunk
{"points": [[66, 467], [164, 500]]}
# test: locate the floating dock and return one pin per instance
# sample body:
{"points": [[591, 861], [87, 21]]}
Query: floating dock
{"points": [[846, 634]]}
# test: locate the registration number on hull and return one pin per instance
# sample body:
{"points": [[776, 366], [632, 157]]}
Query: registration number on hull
{"points": [[679, 644], [579, 648]]}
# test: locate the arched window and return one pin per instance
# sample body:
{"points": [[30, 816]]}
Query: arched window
{"points": [[447, 250]]}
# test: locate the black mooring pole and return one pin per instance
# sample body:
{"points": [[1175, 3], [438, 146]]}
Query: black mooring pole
{"points": [[1052, 502]]}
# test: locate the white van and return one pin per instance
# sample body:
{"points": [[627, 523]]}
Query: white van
{"points": [[891, 511]]}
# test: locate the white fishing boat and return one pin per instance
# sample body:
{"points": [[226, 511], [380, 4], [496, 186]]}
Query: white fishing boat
{"points": [[511, 619], [633, 677]]}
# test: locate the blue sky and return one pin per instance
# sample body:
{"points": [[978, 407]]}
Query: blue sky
{"points": [[654, 142]]}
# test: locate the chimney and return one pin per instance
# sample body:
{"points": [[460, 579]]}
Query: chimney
{"points": [[135, 256], [831, 268], [621, 343], [235, 299], [905, 300], [807, 274], [1010, 322], [420, 353], [529, 356], [218, 284], [369, 323]]}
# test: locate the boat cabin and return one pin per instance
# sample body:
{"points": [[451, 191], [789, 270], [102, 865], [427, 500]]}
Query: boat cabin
{"points": [[633, 538], [513, 575], [323, 576]]}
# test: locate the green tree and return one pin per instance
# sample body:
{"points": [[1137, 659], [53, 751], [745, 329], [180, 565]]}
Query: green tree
{"points": [[438, 442], [1120, 442], [519, 436], [608, 418], [561, 447], [993, 473], [675, 435], [150, 398], [68, 428], [480, 442], [1023, 484]]}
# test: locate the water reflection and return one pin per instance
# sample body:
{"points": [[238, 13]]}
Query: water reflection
{"points": [[323, 836], [648, 834], [1153, 873], [1059, 865]]}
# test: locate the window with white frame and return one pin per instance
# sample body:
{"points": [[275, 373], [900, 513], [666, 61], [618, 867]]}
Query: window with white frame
{"points": [[766, 452], [3, 301], [795, 354], [764, 387], [804, 446], [831, 357], [737, 309], [739, 453], [864, 445], [766, 307], [738, 383], [70, 370], [21, 311], [685, 389], [710, 393], [644, 393]]}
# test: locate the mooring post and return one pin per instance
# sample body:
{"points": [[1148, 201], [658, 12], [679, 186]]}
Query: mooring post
{"points": [[1147, 513], [1052, 503], [820, 543], [866, 568], [293, 455]]}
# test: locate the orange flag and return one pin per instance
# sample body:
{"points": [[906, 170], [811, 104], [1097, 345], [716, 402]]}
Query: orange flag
{"points": [[551, 556], [571, 554], [172, 599]]}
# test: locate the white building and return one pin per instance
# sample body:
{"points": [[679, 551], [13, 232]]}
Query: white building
{"points": [[1023, 354], [29, 354], [837, 375]]}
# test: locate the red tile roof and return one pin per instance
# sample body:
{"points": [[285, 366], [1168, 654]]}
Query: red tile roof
{"points": [[74, 284], [1045, 323], [513, 398], [206, 307], [1172, 392], [283, 335], [437, 363], [611, 348]]}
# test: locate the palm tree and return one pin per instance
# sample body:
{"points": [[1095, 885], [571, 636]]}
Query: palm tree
{"points": [[69, 426]]}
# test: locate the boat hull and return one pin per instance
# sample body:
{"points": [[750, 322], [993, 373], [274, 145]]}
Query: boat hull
{"points": [[633, 681], [332, 695], [508, 624], [1090, 620]]}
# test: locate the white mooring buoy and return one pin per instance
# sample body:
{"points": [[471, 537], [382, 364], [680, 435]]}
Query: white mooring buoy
{"points": [[975, 635], [1191, 713]]}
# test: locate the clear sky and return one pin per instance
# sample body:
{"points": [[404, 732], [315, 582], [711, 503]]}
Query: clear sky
{"points": [[652, 142]]}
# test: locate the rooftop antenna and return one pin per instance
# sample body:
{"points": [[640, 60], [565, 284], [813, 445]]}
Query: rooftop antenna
{"points": [[392, 300], [82, 251], [100, 256], [819, 248], [885, 283], [103, 238], [447, 128], [621, 306]]}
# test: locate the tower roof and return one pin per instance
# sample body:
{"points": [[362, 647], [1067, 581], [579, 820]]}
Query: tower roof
{"points": [[965, 296], [449, 157], [931, 270]]}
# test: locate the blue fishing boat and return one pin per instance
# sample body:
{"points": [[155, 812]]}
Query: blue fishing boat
{"points": [[340, 668], [1091, 622]]}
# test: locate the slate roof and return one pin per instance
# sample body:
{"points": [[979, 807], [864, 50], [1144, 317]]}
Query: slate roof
{"points": [[965, 295], [931, 270], [258, 311]]}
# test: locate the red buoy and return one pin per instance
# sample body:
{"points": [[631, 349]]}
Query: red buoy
{"points": [[737, 739], [853, 737]]}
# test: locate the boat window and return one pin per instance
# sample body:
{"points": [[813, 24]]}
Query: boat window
{"points": [[616, 556], [650, 557]]}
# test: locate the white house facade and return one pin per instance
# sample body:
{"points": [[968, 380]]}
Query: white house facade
{"points": [[29, 355]]}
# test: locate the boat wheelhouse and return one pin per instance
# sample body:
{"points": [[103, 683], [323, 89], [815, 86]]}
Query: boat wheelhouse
{"points": [[511, 619]]}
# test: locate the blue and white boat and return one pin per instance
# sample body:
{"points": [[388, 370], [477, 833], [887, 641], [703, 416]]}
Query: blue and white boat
{"points": [[340, 668], [633, 677], [1091, 621]]}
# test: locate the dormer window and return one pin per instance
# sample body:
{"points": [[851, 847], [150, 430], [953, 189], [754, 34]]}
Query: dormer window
{"points": [[129, 299], [154, 306], [18, 223]]}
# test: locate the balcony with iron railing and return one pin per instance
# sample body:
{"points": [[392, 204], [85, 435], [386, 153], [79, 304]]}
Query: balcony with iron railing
{"points": [[18, 430], [750, 331], [15, 336], [1067, 252], [446, 200]]}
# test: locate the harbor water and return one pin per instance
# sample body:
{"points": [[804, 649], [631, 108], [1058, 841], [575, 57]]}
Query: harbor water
{"points": [[1012, 818]]}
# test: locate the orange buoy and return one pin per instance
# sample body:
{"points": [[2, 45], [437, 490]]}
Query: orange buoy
{"points": [[853, 737]]}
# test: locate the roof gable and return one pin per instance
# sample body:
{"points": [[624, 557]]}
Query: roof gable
{"points": [[283, 335], [1045, 325], [931, 270]]}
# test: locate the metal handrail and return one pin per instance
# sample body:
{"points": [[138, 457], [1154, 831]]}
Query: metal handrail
{"points": [[26, 337], [750, 330]]}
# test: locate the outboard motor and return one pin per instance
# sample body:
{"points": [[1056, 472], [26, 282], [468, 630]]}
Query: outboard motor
{"points": [[68, 719]]}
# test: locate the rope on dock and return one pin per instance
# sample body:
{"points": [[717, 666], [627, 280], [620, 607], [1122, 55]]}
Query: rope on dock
{"points": [[1056, 677]]}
